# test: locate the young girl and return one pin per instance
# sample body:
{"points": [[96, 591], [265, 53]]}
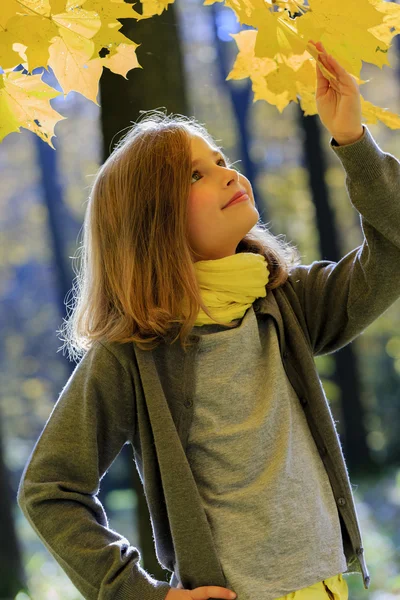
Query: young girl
{"points": [[197, 331]]}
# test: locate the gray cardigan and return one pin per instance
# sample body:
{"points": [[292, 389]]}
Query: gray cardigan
{"points": [[119, 394]]}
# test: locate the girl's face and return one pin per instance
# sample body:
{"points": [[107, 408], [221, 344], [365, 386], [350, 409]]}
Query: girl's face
{"points": [[215, 232]]}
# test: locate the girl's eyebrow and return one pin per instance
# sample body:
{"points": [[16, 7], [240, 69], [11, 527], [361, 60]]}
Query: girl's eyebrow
{"points": [[213, 153]]}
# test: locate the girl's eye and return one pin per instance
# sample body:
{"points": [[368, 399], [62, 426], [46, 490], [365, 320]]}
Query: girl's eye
{"points": [[219, 160]]}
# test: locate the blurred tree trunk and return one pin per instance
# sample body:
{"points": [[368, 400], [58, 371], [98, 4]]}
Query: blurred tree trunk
{"points": [[12, 574], [56, 213], [352, 428], [161, 83]]}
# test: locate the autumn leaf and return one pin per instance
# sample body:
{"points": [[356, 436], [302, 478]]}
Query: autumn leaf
{"points": [[25, 100], [283, 70], [68, 36], [8, 57]]}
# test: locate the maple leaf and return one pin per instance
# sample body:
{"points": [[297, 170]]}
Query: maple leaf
{"points": [[280, 62], [25, 100], [68, 35], [8, 57]]}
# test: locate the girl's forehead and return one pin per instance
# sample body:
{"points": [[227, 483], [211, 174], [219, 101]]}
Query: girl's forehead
{"points": [[199, 144]]}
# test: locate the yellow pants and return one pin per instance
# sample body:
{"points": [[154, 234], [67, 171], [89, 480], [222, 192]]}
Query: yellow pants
{"points": [[334, 588]]}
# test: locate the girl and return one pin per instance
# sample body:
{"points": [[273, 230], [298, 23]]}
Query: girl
{"points": [[232, 434]]}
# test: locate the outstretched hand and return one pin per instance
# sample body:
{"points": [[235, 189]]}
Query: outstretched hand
{"points": [[338, 99], [201, 593]]}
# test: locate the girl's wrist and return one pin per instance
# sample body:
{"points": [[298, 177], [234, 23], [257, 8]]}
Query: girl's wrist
{"points": [[344, 141]]}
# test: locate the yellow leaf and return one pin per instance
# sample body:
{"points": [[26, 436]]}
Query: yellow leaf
{"points": [[66, 35], [391, 21], [11, 8], [8, 57], [104, 38], [34, 32], [247, 64], [123, 61], [80, 21], [111, 10], [70, 61], [348, 40], [276, 55], [373, 113], [285, 42], [25, 101]]}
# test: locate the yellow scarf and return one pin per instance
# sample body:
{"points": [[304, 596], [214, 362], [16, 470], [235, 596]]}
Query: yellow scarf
{"points": [[229, 285]]}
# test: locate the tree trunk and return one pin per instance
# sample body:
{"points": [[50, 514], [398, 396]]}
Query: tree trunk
{"points": [[12, 574], [159, 84]]}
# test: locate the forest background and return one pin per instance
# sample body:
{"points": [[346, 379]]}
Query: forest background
{"points": [[299, 188]]}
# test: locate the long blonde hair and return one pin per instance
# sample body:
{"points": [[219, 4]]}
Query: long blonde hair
{"points": [[136, 264]]}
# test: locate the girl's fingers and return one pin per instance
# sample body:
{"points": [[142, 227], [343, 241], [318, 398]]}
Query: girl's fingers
{"points": [[331, 65], [328, 57], [323, 81], [332, 61]]}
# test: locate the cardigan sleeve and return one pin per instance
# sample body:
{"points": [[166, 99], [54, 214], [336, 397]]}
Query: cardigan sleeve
{"points": [[90, 423], [340, 300]]}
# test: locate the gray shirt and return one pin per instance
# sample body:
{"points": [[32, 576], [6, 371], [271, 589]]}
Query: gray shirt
{"points": [[262, 482], [234, 441]]}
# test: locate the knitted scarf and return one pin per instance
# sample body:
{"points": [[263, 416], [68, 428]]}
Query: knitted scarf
{"points": [[229, 285]]}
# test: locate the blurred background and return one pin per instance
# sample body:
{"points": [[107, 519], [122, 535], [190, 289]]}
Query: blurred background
{"points": [[299, 187]]}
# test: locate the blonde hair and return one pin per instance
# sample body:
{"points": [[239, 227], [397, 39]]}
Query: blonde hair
{"points": [[136, 263]]}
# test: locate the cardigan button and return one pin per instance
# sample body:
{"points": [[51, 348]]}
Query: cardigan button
{"points": [[188, 402], [341, 501]]}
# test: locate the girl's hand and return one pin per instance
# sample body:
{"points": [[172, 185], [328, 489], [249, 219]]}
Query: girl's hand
{"points": [[338, 101], [200, 593]]}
